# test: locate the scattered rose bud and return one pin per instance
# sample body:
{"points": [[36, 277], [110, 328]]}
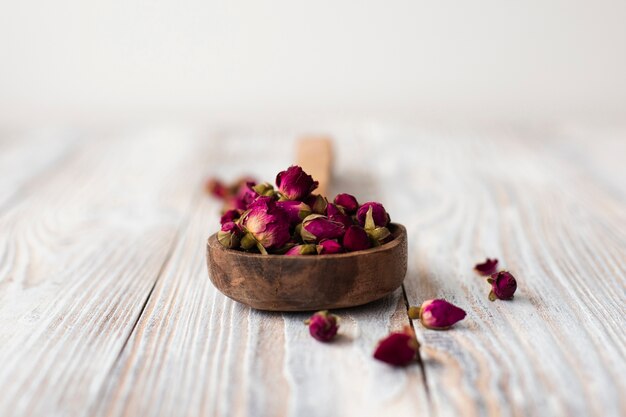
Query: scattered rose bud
{"points": [[267, 224], [296, 210], [327, 247], [379, 214], [230, 235], [230, 216], [216, 188], [440, 314], [323, 326], [398, 349], [317, 203], [488, 267], [294, 183], [298, 250], [503, 286], [335, 214], [356, 239], [317, 227], [348, 202]]}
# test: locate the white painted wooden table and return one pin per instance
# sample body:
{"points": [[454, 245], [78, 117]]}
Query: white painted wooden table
{"points": [[106, 308]]}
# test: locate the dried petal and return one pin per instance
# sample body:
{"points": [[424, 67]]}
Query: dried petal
{"points": [[490, 266], [328, 247], [356, 239], [398, 349], [348, 202], [503, 286], [317, 227], [294, 183], [379, 214], [323, 326], [440, 314]]}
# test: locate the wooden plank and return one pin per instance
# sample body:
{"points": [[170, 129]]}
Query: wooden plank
{"points": [[80, 254], [195, 352], [559, 347]]}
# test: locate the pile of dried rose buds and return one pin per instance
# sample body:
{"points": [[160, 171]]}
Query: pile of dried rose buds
{"points": [[291, 220]]}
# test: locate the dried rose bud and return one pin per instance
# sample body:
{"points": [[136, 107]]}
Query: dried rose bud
{"points": [[323, 326], [328, 247], [439, 314], [356, 239], [317, 203], [267, 224], [379, 215], [503, 286], [348, 202], [230, 235], [294, 183], [307, 249], [245, 196], [296, 210], [335, 214], [230, 216], [398, 349], [216, 188], [317, 227], [488, 267]]}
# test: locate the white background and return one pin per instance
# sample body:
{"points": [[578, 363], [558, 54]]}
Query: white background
{"points": [[75, 61]]}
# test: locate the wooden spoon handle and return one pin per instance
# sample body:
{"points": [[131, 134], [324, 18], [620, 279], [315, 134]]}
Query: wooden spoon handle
{"points": [[315, 156]]}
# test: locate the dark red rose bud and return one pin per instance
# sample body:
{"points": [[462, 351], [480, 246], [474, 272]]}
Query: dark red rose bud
{"points": [[379, 215], [230, 235], [296, 210], [328, 247], [294, 183], [503, 286], [336, 214], [267, 224], [317, 203], [317, 227], [216, 188], [230, 216], [440, 314], [490, 266], [323, 326], [299, 250], [398, 349], [356, 239], [348, 202]]}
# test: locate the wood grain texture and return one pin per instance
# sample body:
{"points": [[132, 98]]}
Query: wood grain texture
{"points": [[558, 348], [196, 352], [80, 254]]}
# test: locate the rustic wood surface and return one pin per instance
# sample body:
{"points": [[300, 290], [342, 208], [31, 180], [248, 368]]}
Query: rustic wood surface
{"points": [[106, 308]]}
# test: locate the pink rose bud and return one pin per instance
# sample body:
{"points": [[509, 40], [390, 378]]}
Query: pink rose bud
{"points": [[317, 203], [216, 188], [317, 227], [348, 202], [296, 210], [398, 349], [380, 216], [230, 235], [323, 326], [488, 267], [439, 314], [328, 247], [267, 224], [503, 286], [299, 250], [230, 216], [356, 239], [245, 196], [294, 183], [335, 214]]}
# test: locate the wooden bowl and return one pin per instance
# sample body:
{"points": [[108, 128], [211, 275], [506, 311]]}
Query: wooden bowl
{"points": [[305, 283]]}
